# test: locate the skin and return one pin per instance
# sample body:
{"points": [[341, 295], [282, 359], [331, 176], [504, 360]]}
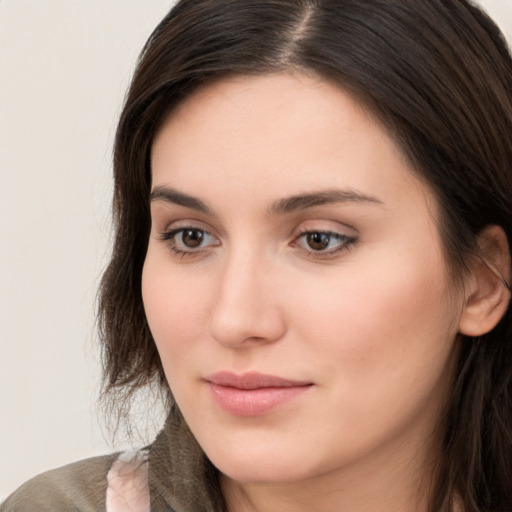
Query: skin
{"points": [[373, 326]]}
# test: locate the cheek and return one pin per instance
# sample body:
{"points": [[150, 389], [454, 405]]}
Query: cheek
{"points": [[381, 330], [175, 306]]}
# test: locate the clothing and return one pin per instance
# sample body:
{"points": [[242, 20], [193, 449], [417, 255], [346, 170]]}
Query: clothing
{"points": [[172, 474]]}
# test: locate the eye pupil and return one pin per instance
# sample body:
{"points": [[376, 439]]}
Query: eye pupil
{"points": [[318, 241], [192, 237]]}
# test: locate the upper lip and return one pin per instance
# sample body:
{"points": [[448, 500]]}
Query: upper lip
{"points": [[252, 380]]}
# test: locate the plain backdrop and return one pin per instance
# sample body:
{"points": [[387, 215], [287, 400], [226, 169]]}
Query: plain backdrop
{"points": [[64, 69]]}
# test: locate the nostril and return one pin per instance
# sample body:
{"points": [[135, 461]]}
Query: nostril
{"points": [[238, 326]]}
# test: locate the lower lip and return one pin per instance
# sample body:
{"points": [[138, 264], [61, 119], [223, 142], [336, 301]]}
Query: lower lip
{"points": [[254, 402]]}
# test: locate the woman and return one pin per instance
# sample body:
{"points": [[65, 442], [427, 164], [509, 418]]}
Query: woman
{"points": [[313, 202]]}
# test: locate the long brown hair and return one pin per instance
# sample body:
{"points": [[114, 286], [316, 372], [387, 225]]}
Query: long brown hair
{"points": [[439, 75]]}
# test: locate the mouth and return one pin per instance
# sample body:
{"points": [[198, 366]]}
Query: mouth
{"points": [[253, 394]]}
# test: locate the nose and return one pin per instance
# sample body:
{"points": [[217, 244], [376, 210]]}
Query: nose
{"points": [[246, 309]]}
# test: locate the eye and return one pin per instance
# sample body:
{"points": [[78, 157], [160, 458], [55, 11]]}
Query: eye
{"points": [[191, 238], [188, 240], [324, 243]]}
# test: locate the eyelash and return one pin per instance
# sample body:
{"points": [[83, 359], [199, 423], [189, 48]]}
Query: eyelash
{"points": [[169, 237], [346, 242]]}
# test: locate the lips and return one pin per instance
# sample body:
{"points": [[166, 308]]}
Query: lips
{"points": [[253, 394]]}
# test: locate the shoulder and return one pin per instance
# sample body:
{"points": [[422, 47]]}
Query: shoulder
{"points": [[80, 486]]}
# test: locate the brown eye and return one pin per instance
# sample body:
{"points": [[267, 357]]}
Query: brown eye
{"points": [[188, 241], [318, 241], [324, 244], [192, 238]]}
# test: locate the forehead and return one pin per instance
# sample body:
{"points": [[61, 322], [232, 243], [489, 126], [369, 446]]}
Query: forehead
{"points": [[295, 132], [275, 102]]}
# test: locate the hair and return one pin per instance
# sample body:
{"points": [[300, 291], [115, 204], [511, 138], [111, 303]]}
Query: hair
{"points": [[438, 74]]}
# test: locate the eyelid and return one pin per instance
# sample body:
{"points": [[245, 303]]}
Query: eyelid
{"points": [[166, 224], [170, 233], [347, 237], [321, 223], [169, 237], [332, 234], [325, 226]]}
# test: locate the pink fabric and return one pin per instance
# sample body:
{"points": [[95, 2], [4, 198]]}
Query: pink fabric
{"points": [[128, 489]]}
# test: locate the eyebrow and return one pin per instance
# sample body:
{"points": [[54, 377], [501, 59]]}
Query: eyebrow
{"points": [[281, 207], [170, 195], [326, 197]]}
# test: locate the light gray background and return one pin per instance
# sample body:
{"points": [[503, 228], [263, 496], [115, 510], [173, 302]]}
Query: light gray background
{"points": [[64, 69]]}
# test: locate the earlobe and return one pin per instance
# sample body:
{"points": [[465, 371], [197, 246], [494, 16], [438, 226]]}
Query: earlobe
{"points": [[487, 290]]}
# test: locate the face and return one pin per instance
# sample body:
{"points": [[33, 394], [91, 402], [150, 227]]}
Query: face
{"points": [[295, 283]]}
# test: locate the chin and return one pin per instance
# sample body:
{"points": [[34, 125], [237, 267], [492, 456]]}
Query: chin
{"points": [[260, 466]]}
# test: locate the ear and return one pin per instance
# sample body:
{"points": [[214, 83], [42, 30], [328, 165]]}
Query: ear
{"points": [[486, 290]]}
